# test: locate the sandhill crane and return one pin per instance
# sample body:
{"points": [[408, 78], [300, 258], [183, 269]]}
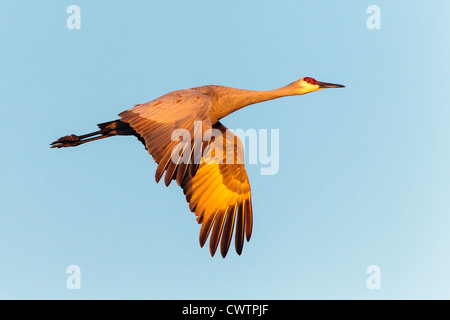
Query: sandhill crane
{"points": [[218, 192]]}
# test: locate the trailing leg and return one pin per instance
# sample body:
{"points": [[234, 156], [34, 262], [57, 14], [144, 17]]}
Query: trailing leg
{"points": [[107, 129]]}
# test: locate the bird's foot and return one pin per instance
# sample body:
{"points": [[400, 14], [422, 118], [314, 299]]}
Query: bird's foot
{"points": [[66, 141]]}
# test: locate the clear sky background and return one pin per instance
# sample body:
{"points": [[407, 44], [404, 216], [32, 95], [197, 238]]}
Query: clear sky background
{"points": [[364, 175]]}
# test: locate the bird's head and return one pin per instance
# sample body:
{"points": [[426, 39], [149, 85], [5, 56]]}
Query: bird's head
{"points": [[308, 84]]}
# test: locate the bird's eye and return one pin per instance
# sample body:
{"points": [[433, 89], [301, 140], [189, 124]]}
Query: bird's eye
{"points": [[310, 80]]}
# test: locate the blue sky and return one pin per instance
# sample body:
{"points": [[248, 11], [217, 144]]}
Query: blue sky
{"points": [[364, 174]]}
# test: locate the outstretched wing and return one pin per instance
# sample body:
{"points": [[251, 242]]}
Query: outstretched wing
{"points": [[157, 120], [219, 193]]}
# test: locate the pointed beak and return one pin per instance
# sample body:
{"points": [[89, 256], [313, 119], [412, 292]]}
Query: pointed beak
{"points": [[323, 85]]}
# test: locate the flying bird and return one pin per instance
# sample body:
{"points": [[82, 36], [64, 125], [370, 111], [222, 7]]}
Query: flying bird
{"points": [[213, 179]]}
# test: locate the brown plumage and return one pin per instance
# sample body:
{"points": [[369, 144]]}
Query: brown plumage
{"points": [[213, 177]]}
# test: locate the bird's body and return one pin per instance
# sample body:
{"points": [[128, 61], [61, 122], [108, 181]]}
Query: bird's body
{"points": [[211, 171]]}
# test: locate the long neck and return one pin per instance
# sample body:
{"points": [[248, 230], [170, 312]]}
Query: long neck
{"points": [[231, 99]]}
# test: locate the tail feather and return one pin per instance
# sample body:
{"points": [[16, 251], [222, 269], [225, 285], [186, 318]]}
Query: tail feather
{"points": [[116, 128]]}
